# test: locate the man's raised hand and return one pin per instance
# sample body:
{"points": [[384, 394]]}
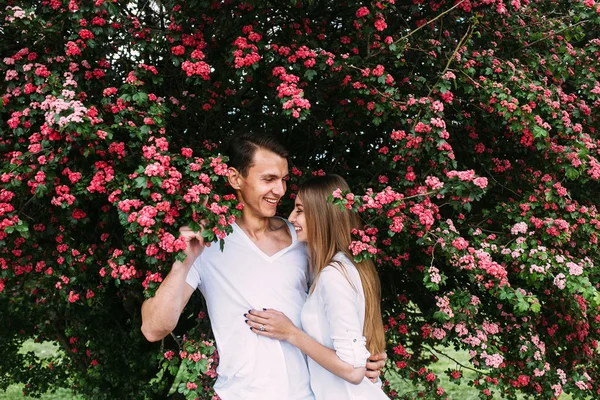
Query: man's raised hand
{"points": [[194, 244]]}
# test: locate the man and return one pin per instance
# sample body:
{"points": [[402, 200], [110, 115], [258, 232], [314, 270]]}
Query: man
{"points": [[261, 266]]}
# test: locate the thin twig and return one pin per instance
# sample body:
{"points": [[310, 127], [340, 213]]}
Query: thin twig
{"points": [[453, 359], [454, 53], [420, 195], [428, 22], [553, 34], [176, 340], [433, 254], [501, 185]]}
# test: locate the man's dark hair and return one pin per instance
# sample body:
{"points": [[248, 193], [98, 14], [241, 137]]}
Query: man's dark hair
{"points": [[241, 149]]}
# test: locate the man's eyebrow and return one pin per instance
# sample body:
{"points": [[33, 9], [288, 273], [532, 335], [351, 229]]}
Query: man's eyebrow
{"points": [[274, 176]]}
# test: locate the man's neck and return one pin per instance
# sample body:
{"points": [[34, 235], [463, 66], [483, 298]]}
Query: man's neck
{"points": [[254, 226]]}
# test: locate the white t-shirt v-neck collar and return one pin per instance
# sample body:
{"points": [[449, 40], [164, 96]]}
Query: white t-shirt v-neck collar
{"points": [[253, 245]]}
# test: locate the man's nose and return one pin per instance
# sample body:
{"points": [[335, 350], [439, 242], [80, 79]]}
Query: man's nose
{"points": [[279, 188]]}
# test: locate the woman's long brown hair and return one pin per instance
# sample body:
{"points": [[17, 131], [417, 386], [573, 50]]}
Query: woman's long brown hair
{"points": [[329, 231]]}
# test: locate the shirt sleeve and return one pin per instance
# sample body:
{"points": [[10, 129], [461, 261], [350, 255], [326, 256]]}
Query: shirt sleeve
{"points": [[341, 304], [193, 276]]}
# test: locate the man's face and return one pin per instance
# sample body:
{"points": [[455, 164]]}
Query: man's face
{"points": [[265, 184]]}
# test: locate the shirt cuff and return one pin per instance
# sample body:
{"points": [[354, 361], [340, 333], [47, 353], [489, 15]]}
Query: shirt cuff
{"points": [[193, 276], [352, 350]]}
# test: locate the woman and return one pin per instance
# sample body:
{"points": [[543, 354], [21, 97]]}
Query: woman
{"points": [[342, 316]]}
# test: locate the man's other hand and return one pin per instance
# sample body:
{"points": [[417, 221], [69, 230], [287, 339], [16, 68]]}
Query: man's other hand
{"points": [[374, 366]]}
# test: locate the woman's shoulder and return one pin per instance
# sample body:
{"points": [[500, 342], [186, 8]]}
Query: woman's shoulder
{"points": [[340, 267], [341, 262]]}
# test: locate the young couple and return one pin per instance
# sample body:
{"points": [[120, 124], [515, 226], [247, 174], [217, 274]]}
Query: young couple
{"points": [[263, 314]]}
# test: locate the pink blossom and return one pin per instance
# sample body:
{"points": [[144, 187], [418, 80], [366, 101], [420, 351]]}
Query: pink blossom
{"points": [[378, 70], [493, 360], [460, 243], [434, 275], [574, 269], [198, 68], [72, 49], [581, 385], [178, 50], [439, 334], [519, 227], [481, 182], [560, 281], [557, 388], [11, 74], [362, 12], [434, 183], [398, 135], [397, 224], [380, 24], [462, 175], [73, 297]]}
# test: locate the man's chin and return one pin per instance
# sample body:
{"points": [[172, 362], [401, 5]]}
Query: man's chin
{"points": [[268, 213]]}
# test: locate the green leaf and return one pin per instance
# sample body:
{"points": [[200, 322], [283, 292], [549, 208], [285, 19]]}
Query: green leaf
{"points": [[141, 182], [310, 74], [208, 235], [141, 97], [572, 173], [539, 132]]}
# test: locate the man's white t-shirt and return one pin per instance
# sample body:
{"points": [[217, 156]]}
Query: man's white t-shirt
{"points": [[240, 278]]}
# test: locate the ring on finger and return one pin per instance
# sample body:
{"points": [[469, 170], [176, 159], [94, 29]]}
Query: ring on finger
{"points": [[262, 328]]}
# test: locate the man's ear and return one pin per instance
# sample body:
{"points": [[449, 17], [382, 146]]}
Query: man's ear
{"points": [[234, 178]]}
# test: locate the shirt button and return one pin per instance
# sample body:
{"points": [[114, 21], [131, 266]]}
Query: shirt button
{"points": [[354, 340]]}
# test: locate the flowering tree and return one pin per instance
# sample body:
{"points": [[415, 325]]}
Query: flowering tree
{"points": [[467, 130]]}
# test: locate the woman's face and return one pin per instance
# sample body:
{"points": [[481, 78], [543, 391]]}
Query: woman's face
{"points": [[298, 220]]}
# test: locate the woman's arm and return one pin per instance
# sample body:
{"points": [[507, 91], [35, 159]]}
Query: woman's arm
{"points": [[278, 326]]}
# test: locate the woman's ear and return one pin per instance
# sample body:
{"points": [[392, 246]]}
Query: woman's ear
{"points": [[234, 178]]}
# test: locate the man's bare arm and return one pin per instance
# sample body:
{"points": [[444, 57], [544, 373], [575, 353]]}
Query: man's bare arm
{"points": [[160, 313]]}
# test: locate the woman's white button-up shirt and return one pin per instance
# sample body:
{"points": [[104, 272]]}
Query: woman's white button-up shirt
{"points": [[334, 316]]}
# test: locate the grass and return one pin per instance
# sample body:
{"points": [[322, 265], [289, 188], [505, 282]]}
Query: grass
{"points": [[45, 349], [16, 392], [453, 391]]}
